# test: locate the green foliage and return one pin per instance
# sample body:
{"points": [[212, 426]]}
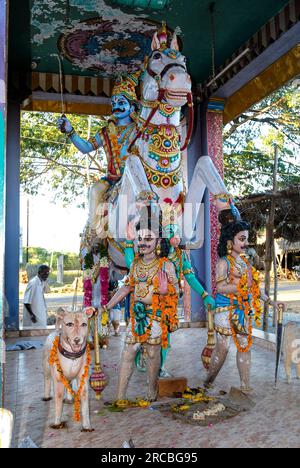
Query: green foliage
{"points": [[38, 256], [48, 159], [250, 140]]}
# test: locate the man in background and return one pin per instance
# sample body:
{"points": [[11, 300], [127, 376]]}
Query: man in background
{"points": [[35, 309]]}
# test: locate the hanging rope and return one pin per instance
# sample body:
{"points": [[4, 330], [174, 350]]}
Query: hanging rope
{"points": [[68, 8]]}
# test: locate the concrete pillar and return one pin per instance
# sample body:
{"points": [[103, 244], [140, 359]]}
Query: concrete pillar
{"points": [[214, 121], [3, 99], [196, 150], [12, 231]]}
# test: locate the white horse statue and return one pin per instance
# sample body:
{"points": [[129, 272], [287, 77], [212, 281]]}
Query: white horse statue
{"points": [[154, 168]]}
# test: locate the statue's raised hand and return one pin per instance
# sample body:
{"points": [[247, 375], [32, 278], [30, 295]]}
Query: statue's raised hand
{"points": [[64, 125], [163, 282]]}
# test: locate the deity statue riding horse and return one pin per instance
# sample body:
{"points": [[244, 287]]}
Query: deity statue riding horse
{"points": [[144, 151]]}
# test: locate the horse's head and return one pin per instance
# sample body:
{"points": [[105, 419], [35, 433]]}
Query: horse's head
{"points": [[166, 73]]}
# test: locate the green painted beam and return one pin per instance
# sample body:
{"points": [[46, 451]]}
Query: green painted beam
{"points": [[3, 55]]}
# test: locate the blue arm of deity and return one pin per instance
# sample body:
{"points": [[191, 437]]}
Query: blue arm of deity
{"points": [[129, 254], [85, 146], [64, 125], [194, 283]]}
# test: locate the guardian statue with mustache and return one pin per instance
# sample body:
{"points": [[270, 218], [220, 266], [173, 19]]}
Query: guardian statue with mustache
{"points": [[114, 137]]}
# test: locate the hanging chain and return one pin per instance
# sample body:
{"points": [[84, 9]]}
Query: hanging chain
{"points": [[68, 8], [213, 37]]}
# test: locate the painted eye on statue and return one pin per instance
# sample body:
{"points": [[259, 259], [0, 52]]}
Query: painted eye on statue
{"points": [[157, 56], [70, 324], [84, 325]]}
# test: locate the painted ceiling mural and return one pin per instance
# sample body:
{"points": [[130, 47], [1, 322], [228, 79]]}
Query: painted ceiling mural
{"points": [[112, 43], [104, 37], [109, 47]]}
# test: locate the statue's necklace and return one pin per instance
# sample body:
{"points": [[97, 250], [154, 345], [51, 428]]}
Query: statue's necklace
{"points": [[240, 265], [143, 269], [145, 274]]}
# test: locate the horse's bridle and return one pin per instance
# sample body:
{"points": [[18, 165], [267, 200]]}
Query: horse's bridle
{"points": [[161, 95], [159, 76]]}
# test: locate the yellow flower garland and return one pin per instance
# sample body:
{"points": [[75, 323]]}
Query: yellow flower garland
{"points": [[54, 360], [244, 302]]}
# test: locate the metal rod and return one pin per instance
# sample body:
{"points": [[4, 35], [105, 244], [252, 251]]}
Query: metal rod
{"points": [[237, 59], [63, 107]]}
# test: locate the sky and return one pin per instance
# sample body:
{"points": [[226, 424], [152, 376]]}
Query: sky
{"points": [[51, 225]]}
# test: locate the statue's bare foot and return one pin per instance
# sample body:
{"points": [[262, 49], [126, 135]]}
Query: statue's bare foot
{"points": [[164, 374], [208, 385], [151, 398], [57, 427], [246, 389]]}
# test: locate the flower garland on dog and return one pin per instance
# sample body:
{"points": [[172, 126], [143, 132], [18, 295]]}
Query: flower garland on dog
{"points": [[54, 360], [248, 298], [166, 304]]}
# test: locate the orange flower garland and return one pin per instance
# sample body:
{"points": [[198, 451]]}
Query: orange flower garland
{"points": [[54, 360], [166, 304], [244, 288]]}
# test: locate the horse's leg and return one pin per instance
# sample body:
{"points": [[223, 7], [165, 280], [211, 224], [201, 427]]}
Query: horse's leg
{"points": [[134, 182], [205, 176]]}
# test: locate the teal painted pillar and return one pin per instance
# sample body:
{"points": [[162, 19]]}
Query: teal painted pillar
{"points": [[3, 101]]}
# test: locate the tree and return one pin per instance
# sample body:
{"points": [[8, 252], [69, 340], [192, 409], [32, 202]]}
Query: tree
{"points": [[48, 158], [249, 143], [39, 255]]}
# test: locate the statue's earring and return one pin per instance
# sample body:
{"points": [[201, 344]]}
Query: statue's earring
{"points": [[158, 250], [133, 115], [229, 247]]}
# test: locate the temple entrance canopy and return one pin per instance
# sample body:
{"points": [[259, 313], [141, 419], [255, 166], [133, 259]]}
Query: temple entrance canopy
{"points": [[232, 41], [238, 52]]}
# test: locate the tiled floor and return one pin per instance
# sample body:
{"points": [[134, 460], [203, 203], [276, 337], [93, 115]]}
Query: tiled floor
{"points": [[273, 422]]}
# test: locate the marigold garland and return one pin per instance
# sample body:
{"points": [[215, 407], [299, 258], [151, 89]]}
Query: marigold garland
{"points": [[166, 304], [248, 298], [54, 360]]}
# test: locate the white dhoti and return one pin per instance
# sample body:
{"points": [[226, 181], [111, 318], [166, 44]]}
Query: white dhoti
{"points": [[34, 295]]}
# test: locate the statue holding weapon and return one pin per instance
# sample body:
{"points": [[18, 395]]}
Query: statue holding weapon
{"points": [[153, 315], [114, 136]]}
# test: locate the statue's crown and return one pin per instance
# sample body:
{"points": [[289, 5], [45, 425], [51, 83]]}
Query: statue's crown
{"points": [[126, 85]]}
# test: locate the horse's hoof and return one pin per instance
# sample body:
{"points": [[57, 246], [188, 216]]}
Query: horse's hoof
{"points": [[57, 427], [87, 430], [47, 399]]}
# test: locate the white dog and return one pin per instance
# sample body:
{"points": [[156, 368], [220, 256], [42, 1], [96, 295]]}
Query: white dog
{"points": [[291, 349], [72, 329]]}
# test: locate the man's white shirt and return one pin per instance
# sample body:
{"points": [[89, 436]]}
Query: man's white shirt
{"points": [[34, 295]]}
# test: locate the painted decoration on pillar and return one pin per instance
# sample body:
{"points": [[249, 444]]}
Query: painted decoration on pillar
{"points": [[215, 150], [108, 46]]}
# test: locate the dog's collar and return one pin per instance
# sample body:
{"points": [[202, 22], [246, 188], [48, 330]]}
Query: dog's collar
{"points": [[69, 355]]}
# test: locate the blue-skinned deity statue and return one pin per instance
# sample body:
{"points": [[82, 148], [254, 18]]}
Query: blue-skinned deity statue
{"points": [[114, 137]]}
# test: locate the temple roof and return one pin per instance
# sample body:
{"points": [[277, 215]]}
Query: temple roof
{"points": [[102, 38]]}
